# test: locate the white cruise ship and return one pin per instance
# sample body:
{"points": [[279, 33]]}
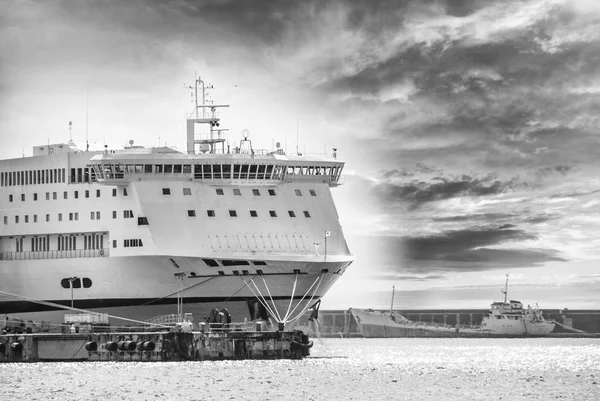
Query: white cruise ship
{"points": [[132, 232]]}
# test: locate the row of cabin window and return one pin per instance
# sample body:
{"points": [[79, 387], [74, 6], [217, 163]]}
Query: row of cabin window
{"points": [[206, 171], [65, 195], [32, 177], [253, 213], [94, 215], [63, 243], [238, 192]]}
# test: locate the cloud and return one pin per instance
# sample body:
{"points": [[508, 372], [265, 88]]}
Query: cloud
{"points": [[415, 193]]}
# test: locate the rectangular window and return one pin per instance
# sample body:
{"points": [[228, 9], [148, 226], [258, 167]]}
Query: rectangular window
{"points": [[220, 191], [166, 191], [142, 221], [22, 197], [177, 169], [35, 218], [114, 191], [168, 168], [60, 217], [114, 214], [232, 213], [87, 193], [298, 193], [291, 213], [35, 196], [114, 243], [97, 193], [54, 196], [306, 213], [47, 217], [76, 216], [126, 243], [70, 216], [26, 219], [272, 213], [237, 192], [92, 215], [124, 191], [191, 213], [312, 192], [17, 219], [187, 191], [97, 215], [253, 213], [76, 194], [5, 219], [47, 195], [255, 192], [272, 192], [210, 213], [65, 195], [10, 198]]}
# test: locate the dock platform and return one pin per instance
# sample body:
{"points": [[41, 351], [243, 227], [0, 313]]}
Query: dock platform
{"points": [[154, 346]]}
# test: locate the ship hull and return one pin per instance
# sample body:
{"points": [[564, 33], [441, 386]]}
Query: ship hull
{"points": [[142, 287]]}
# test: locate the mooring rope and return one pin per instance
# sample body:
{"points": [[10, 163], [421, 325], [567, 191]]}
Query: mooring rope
{"points": [[59, 306], [309, 301], [291, 298], [265, 304], [269, 292]]}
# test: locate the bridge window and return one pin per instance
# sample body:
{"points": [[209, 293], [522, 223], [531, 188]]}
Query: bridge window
{"points": [[312, 192], [187, 191], [166, 191], [210, 213], [256, 192], [298, 192], [306, 213], [220, 191], [232, 213], [237, 192], [272, 213], [191, 213], [253, 213], [272, 192], [291, 213], [211, 262]]}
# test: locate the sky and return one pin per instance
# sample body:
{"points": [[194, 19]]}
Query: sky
{"points": [[469, 127]]}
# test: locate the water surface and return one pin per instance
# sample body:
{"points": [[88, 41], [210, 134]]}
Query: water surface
{"points": [[350, 369]]}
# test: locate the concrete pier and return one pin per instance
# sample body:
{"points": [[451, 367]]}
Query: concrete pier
{"points": [[154, 346]]}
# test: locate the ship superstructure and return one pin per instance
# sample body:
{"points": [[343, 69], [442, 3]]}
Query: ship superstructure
{"points": [[131, 232]]}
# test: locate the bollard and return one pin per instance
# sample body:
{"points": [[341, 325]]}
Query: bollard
{"points": [[91, 346], [111, 346]]}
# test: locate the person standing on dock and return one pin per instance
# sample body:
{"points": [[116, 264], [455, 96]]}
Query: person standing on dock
{"points": [[186, 325]]}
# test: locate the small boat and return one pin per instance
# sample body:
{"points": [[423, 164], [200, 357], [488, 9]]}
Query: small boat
{"points": [[511, 319]]}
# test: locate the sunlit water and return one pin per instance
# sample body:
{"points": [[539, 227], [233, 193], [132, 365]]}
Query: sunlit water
{"points": [[338, 369]]}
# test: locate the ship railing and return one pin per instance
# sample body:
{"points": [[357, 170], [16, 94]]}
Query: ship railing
{"points": [[72, 254], [226, 327]]}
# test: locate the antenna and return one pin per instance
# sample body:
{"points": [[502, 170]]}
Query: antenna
{"points": [[70, 136], [505, 289], [87, 143], [392, 307]]}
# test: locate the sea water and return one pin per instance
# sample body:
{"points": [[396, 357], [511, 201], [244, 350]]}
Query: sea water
{"points": [[338, 369]]}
